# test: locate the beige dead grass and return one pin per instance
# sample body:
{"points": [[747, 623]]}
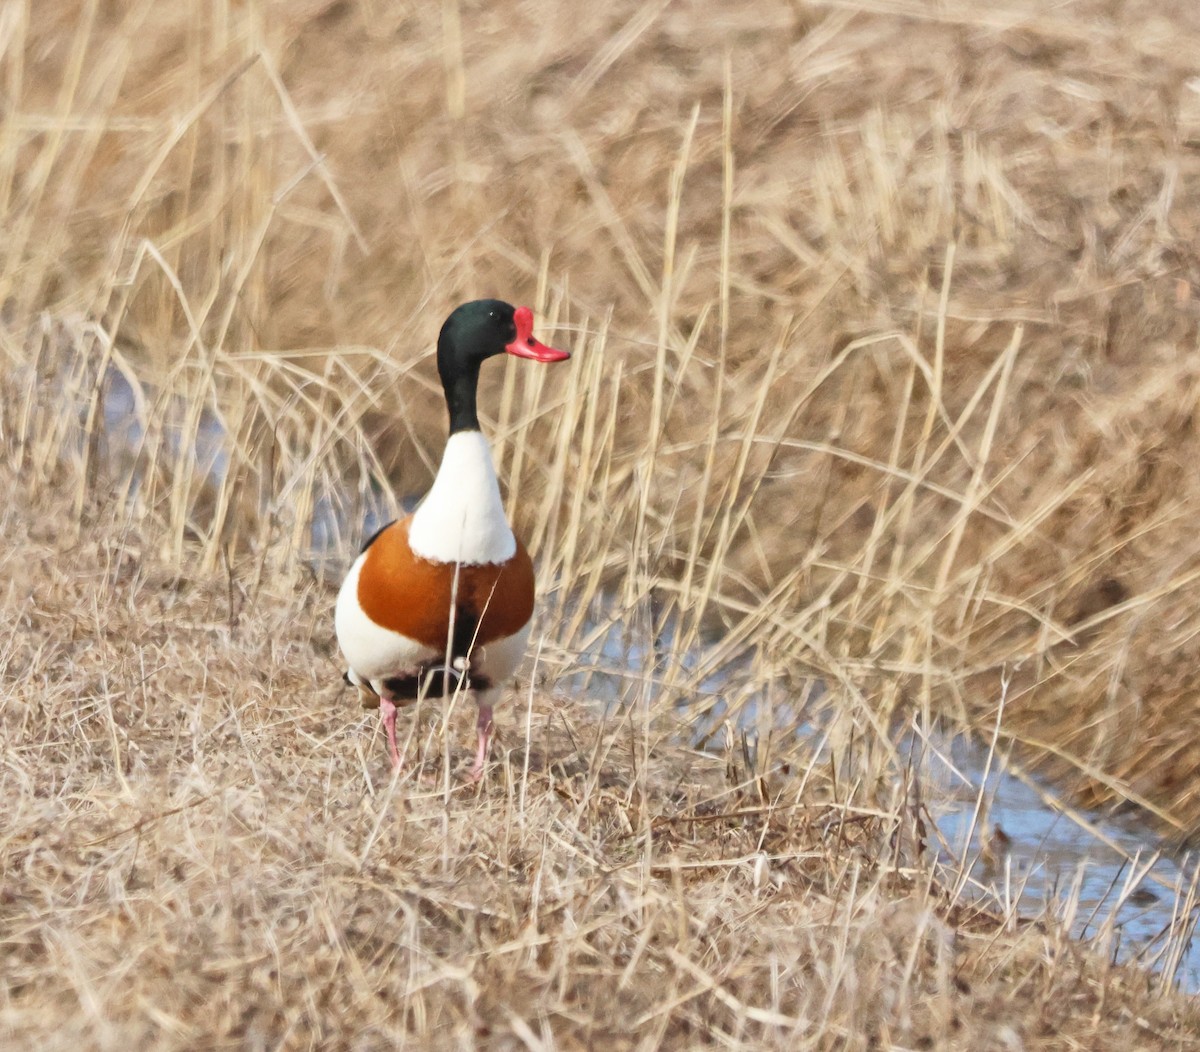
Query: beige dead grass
{"points": [[201, 850], [886, 332]]}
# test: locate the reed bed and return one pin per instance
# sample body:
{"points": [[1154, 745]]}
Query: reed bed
{"points": [[881, 416]]}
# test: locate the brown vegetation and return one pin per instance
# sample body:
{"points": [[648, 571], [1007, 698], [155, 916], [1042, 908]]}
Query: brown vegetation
{"points": [[202, 849], [885, 321]]}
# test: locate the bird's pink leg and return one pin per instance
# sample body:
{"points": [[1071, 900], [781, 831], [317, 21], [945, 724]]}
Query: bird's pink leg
{"points": [[484, 728], [387, 709]]}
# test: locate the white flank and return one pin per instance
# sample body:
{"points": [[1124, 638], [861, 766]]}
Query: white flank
{"points": [[461, 519], [372, 651], [501, 657]]}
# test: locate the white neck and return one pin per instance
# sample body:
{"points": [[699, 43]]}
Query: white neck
{"points": [[461, 519]]}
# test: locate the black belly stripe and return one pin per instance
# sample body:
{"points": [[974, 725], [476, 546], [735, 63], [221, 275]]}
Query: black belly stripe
{"points": [[435, 680], [466, 624]]}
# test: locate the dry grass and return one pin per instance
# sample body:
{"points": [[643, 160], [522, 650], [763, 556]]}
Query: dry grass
{"points": [[886, 324], [202, 850]]}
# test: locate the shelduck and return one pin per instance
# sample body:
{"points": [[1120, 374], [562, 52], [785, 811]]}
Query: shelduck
{"points": [[444, 597]]}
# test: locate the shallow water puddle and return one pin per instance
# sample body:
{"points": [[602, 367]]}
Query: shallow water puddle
{"points": [[1105, 875]]}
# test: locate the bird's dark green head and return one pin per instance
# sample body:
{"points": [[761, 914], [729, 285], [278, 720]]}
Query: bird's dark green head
{"points": [[473, 333]]}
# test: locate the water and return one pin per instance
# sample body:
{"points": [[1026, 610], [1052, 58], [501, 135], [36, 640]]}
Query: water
{"points": [[1126, 888], [125, 413]]}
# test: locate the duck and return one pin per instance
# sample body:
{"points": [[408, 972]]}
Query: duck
{"points": [[442, 599]]}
